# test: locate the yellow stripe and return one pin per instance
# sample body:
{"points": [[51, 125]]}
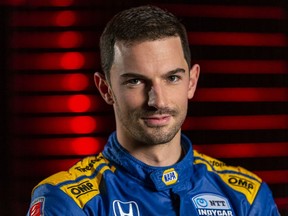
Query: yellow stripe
{"points": [[237, 178], [84, 190], [85, 167]]}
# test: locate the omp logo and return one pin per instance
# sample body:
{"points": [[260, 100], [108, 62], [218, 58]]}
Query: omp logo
{"points": [[125, 208], [240, 182], [81, 189], [212, 204], [170, 176]]}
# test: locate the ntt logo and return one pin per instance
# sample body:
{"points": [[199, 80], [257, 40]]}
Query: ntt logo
{"points": [[212, 205]]}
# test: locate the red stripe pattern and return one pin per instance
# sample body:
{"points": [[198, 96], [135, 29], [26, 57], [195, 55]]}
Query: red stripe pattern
{"points": [[58, 116]]}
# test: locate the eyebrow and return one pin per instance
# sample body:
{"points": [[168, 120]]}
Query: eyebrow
{"points": [[135, 74], [177, 70]]}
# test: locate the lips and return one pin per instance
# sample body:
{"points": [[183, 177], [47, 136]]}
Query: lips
{"points": [[157, 120]]}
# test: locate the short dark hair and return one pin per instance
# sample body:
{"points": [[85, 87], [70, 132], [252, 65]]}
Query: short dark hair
{"points": [[139, 24]]}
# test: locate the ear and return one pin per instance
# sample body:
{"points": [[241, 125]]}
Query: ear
{"points": [[103, 87], [194, 76]]}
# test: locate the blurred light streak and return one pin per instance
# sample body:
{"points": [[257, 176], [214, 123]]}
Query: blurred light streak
{"points": [[259, 122], [72, 60], [273, 176], [79, 103], [225, 11], [53, 61], [70, 39], [47, 104], [59, 146], [61, 3], [241, 94], [42, 167], [237, 39], [244, 150], [244, 66], [51, 82], [65, 18], [64, 125]]}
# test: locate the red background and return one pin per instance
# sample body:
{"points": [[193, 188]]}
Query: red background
{"points": [[52, 115]]}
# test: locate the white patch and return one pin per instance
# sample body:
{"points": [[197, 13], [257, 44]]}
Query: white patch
{"points": [[212, 205]]}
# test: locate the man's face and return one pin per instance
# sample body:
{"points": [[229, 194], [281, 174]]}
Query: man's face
{"points": [[150, 86]]}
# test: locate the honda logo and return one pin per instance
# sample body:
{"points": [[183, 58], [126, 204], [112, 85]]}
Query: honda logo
{"points": [[125, 208]]}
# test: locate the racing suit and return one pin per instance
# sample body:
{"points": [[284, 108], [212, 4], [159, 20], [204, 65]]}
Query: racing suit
{"points": [[114, 183]]}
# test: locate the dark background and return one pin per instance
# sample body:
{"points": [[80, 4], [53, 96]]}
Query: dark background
{"points": [[51, 114]]}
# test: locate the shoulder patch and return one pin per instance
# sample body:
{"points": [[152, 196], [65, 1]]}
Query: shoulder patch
{"points": [[81, 192], [81, 181], [237, 178], [37, 207]]}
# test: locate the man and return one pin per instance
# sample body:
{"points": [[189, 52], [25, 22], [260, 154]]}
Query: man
{"points": [[148, 167]]}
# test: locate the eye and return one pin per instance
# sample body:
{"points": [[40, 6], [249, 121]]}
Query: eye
{"points": [[133, 82], [174, 78]]}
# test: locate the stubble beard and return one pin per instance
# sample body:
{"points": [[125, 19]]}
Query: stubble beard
{"points": [[137, 130]]}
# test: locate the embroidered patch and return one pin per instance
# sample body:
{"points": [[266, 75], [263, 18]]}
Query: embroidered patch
{"points": [[212, 204], [170, 176], [82, 191], [37, 207], [248, 186], [125, 208]]}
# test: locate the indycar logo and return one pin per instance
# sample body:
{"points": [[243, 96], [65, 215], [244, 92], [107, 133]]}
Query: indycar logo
{"points": [[125, 208], [212, 205]]}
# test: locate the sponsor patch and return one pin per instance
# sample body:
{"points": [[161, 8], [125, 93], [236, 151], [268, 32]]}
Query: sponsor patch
{"points": [[125, 208], [249, 187], [242, 183], [89, 166], [37, 208], [81, 192], [170, 176], [212, 205]]}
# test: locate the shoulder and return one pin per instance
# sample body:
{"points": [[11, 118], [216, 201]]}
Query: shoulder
{"points": [[236, 178], [85, 168], [80, 183]]}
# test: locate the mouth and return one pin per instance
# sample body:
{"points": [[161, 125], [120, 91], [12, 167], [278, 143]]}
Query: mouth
{"points": [[157, 120]]}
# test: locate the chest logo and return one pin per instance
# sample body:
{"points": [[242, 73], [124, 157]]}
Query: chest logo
{"points": [[170, 176], [212, 204], [125, 208]]}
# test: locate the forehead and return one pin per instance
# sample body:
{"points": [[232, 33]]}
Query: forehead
{"points": [[161, 54]]}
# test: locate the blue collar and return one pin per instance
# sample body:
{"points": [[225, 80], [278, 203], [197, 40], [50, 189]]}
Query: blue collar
{"points": [[160, 178]]}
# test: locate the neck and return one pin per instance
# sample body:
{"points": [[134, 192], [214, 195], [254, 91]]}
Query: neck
{"points": [[155, 155]]}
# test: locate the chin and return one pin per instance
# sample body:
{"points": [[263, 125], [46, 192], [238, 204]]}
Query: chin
{"points": [[157, 137]]}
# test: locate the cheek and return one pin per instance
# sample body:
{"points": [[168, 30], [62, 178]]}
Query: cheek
{"points": [[181, 99], [129, 101], [180, 94]]}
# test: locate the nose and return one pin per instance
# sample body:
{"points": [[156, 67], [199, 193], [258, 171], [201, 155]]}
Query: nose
{"points": [[156, 97]]}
